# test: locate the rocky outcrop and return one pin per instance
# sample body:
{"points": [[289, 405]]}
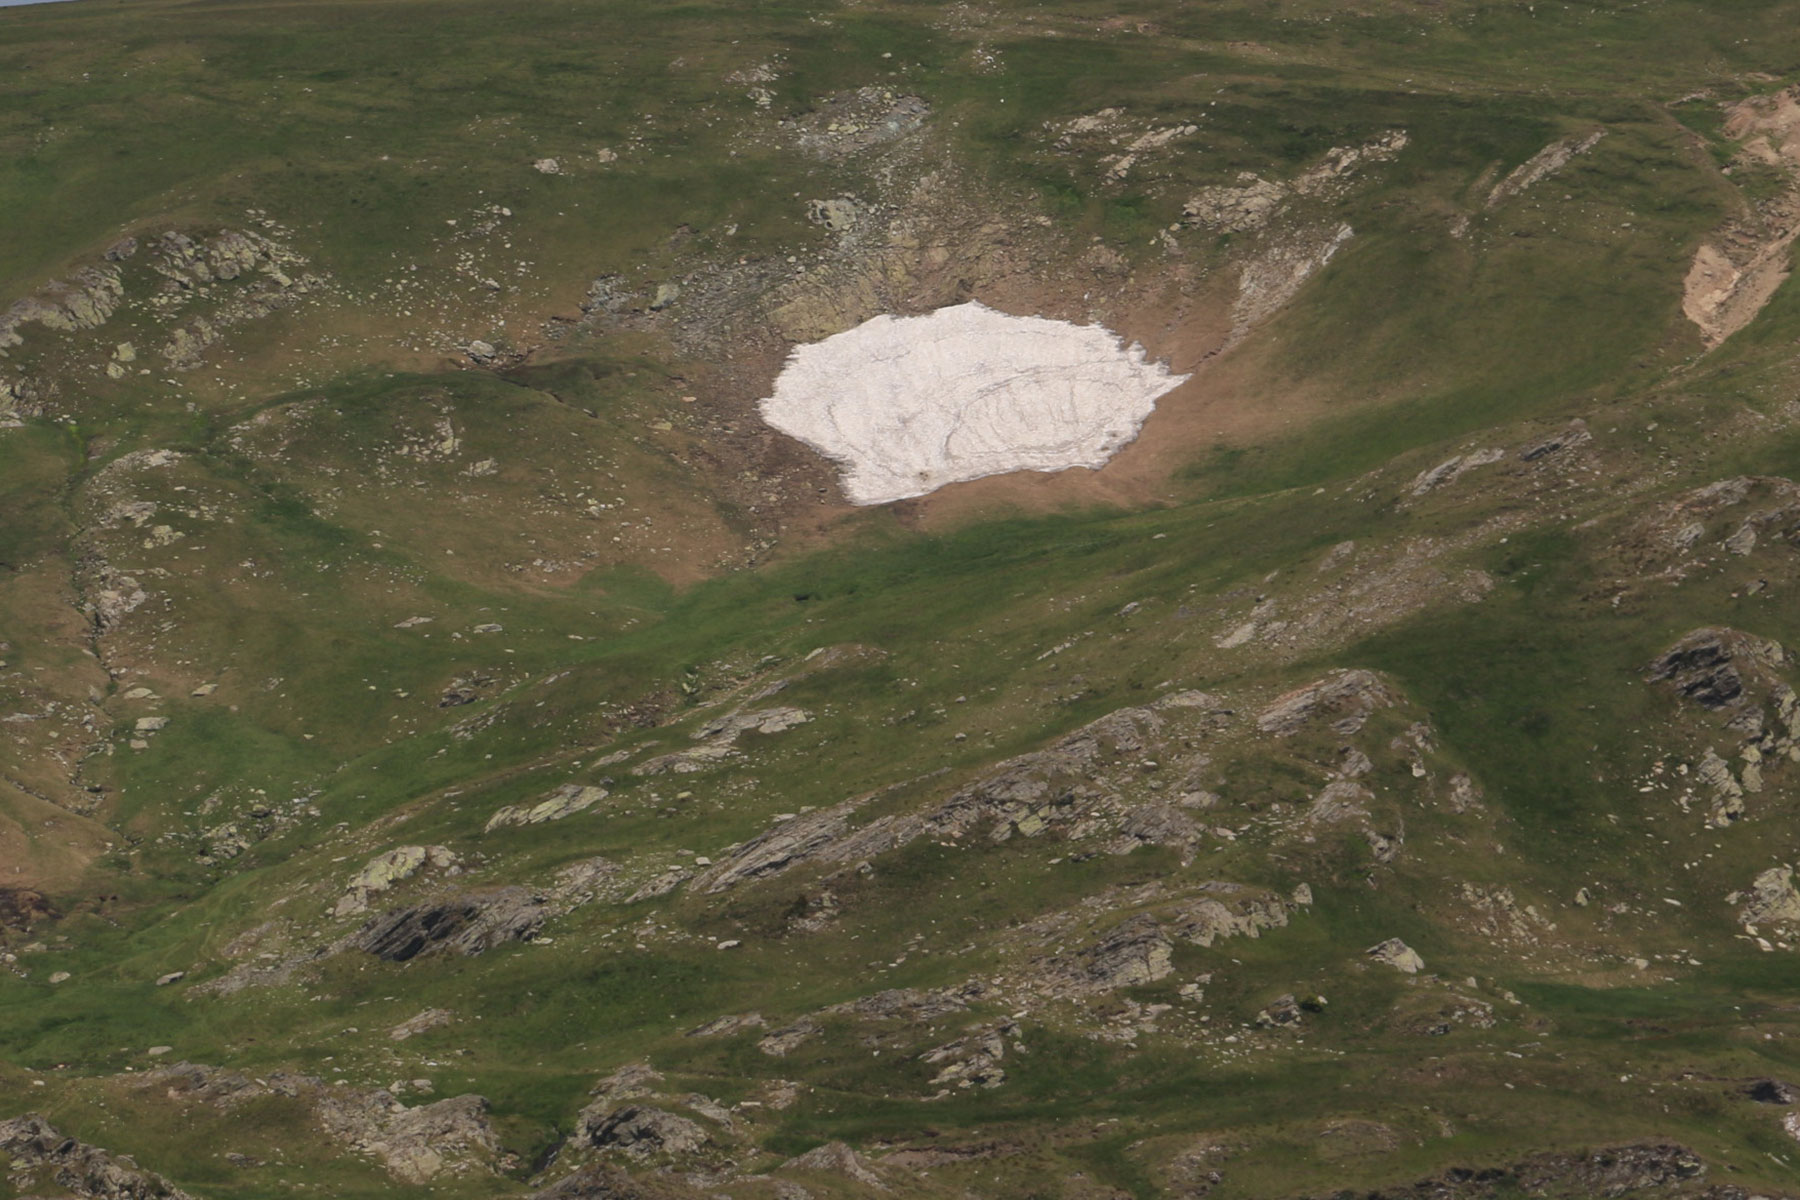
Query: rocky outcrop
{"points": [[1542, 165], [1253, 202], [462, 923], [1579, 1175], [1344, 700], [738, 722], [972, 1061], [21, 908], [1452, 468], [837, 1159], [1771, 900], [718, 739], [1704, 666], [1025, 795], [384, 871], [912, 1004], [1243, 207], [35, 1147], [1137, 951], [414, 1144], [789, 1038], [640, 1131], [603, 1181], [425, 1022], [84, 301], [1229, 910], [1141, 949], [565, 801]]}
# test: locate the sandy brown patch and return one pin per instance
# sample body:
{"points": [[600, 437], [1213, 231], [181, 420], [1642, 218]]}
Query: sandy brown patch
{"points": [[1736, 272]]}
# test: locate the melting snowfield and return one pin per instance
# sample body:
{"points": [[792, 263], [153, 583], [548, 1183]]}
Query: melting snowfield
{"points": [[909, 404]]}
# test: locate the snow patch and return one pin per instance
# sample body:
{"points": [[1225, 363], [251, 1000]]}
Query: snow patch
{"points": [[909, 404]]}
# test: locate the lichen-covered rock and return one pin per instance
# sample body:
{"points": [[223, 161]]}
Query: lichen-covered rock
{"points": [[565, 801], [385, 870], [1398, 955]]}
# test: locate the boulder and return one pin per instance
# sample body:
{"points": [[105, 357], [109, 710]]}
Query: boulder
{"points": [[1398, 955]]}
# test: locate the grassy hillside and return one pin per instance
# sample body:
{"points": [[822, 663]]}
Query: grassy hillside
{"points": [[449, 744]]}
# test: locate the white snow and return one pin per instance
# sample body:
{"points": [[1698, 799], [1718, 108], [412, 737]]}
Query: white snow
{"points": [[909, 404]]}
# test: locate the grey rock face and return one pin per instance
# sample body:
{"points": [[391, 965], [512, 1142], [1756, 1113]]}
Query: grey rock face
{"points": [[463, 923]]}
